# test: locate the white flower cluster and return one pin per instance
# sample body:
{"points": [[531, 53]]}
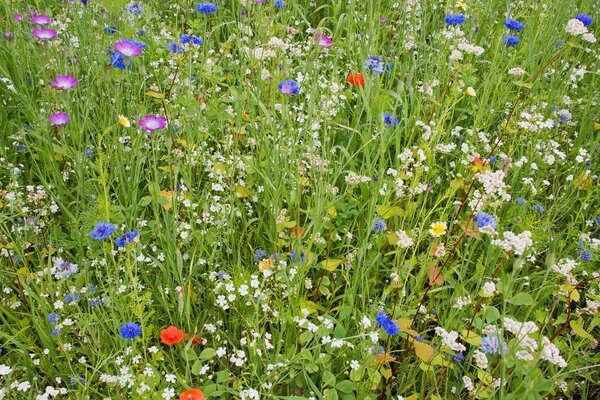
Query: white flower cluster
{"points": [[575, 27], [354, 179], [480, 359], [564, 267], [522, 331], [461, 302], [493, 184], [515, 243], [249, 394], [404, 240], [449, 339]]}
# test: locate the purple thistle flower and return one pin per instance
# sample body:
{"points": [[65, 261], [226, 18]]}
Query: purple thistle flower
{"points": [[152, 123], [41, 20], [64, 82], [59, 119], [388, 324], [289, 86], [44, 34], [127, 49], [18, 17]]}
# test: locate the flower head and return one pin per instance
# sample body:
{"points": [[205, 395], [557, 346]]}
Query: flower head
{"points": [[455, 19], [438, 229], [485, 221], [279, 4], [134, 8], [289, 86], [64, 82], [513, 24], [510, 40], [127, 48], [379, 226], [356, 79], [206, 8], [575, 27], [375, 64], [389, 325], [586, 19], [389, 119], [59, 119], [171, 335], [323, 40], [130, 330], [491, 345], [41, 19], [192, 394], [124, 121], [53, 318], [44, 34], [102, 230], [117, 60], [152, 123], [129, 237], [190, 39]]}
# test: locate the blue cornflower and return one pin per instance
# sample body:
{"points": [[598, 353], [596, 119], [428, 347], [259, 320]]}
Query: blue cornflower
{"points": [[586, 19], [390, 120], [84, 2], [110, 30], [510, 40], [89, 152], [135, 42], [564, 115], [389, 325], [433, 312], [584, 255], [187, 38], [459, 357], [419, 339], [56, 332], [492, 159], [485, 220], [128, 238], [130, 330], [293, 256], [456, 19], [520, 201], [53, 318], [376, 65], [135, 8], [95, 302], [279, 4], [289, 86], [513, 24], [560, 43], [206, 8], [173, 47], [597, 220], [72, 298], [379, 226], [538, 207], [102, 230], [377, 350], [491, 345], [117, 60], [259, 254], [20, 147]]}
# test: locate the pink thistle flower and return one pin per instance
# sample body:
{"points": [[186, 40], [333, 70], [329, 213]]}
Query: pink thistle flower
{"points": [[44, 34], [323, 40], [41, 19], [152, 123], [64, 82], [59, 119], [127, 49]]}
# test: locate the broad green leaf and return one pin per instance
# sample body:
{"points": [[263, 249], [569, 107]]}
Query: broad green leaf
{"points": [[521, 299], [331, 264], [207, 353], [577, 326]]}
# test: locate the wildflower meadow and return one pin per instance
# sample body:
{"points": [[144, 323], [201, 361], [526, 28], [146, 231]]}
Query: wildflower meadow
{"points": [[299, 199]]}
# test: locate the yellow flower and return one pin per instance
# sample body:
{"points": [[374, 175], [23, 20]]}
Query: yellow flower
{"points": [[438, 229], [124, 121], [462, 5], [470, 92], [264, 265]]}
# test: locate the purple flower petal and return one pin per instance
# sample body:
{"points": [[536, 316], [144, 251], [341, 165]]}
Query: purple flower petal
{"points": [[152, 123], [127, 49], [59, 119], [41, 20], [44, 34], [64, 82]]}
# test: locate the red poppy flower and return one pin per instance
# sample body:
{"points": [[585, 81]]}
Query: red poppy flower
{"points": [[171, 335], [192, 394], [195, 339], [298, 232], [356, 79]]}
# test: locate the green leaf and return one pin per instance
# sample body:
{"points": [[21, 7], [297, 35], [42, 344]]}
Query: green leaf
{"points": [[155, 94], [207, 353], [196, 367], [492, 314], [471, 337], [305, 337], [345, 386], [331, 264], [387, 211], [144, 201], [521, 299], [524, 84], [577, 326]]}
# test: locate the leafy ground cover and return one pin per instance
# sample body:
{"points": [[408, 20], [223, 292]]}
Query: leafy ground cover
{"points": [[299, 200]]}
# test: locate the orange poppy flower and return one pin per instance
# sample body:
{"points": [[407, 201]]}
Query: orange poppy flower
{"points": [[192, 394], [356, 79], [171, 335], [298, 232]]}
